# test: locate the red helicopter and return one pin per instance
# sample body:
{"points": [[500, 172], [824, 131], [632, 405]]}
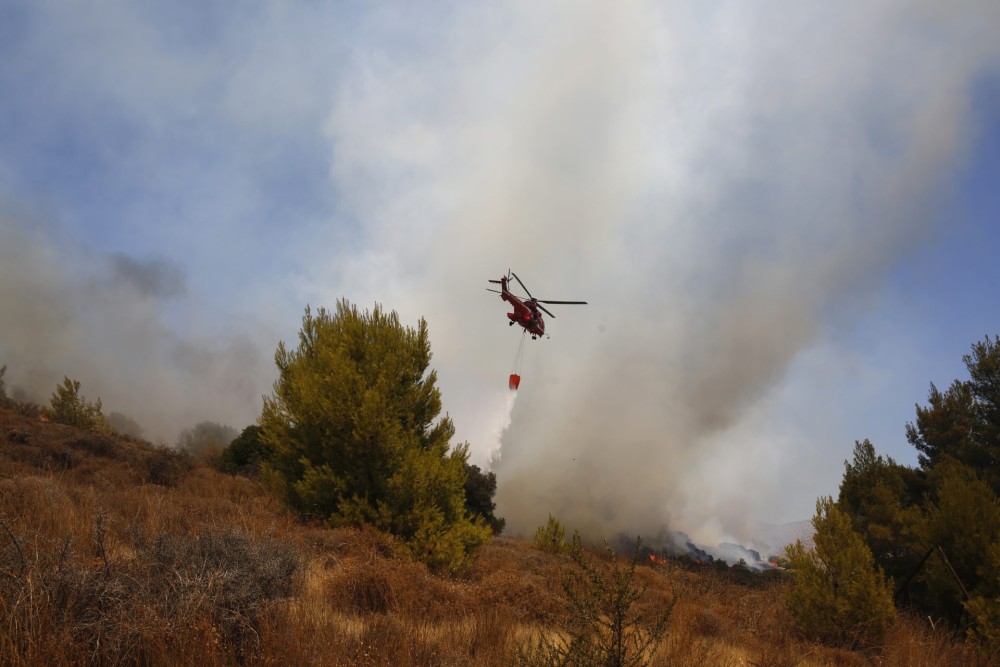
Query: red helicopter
{"points": [[526, 310]]}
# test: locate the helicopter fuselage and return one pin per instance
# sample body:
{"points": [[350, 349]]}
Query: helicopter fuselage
{"points": [[525, 315], [527, 312]]}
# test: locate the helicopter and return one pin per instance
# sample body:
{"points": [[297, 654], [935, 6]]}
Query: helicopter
{"points": [[526, 311]]}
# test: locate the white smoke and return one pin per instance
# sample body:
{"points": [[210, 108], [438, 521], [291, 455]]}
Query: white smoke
{"points": [[716, 180], [105, 321]]}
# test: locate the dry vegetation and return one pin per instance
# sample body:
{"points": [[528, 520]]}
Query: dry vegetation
{"points": [[114, 552]]}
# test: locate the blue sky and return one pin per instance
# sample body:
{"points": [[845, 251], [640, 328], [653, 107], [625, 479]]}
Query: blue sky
{"points": [[784, 217]]}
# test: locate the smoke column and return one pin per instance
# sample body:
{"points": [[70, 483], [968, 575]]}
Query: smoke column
{"points": [[106, 320], [717, 181]]}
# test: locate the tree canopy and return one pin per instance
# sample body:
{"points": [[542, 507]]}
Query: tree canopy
{"points": [[881, 497], [963, 423], [352, 438], [480, 487], [934, 529]]}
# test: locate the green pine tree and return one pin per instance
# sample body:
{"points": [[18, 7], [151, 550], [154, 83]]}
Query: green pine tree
{"points": [[352, 439], [552, 537], [963, 423], [839, 597], [984, 603], [881, 497], [964, 523], [68, 407], [480, 487], [244, 455]]}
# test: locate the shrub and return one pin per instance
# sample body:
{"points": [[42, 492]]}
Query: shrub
{"points": [[68, 407], [165, 466], [603, 628], [235, 571], [244, 454], [61, 597], [552, 537]]}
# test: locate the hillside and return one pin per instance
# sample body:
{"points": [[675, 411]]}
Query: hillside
{"points": [[116, 552]]}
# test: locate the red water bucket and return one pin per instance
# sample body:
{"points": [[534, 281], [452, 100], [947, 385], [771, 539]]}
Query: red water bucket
{"points": [[515, 380]]}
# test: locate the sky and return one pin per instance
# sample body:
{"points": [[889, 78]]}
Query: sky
{"points": [[783, 216]]}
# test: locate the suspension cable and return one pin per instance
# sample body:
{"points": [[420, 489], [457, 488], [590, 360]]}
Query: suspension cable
{"points": [[519, 355]]}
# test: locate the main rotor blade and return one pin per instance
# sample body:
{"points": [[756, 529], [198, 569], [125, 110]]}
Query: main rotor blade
{"points": [[522, 285], [578, 303], [496, 291], [544, 310]]}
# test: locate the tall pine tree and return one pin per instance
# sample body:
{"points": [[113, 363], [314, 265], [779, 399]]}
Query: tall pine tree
{"points": [[882, 499], [352, 436]]}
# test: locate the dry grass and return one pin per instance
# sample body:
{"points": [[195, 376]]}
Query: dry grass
{"points": [[114, 552]]}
